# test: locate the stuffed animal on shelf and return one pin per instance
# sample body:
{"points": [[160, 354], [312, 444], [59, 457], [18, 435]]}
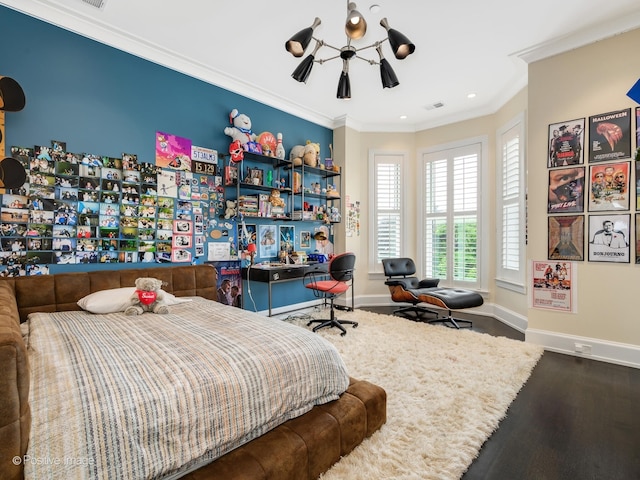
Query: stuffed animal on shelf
{"points": [[148, 297], [275, 199], [308, 153], [230, 211], [240, 129]]}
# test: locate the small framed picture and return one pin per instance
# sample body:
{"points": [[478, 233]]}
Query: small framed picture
{"points": [[609, 186], [305, 239], [182, 241], [609, 238], [566, 237], [566, 143], [566, 190]]}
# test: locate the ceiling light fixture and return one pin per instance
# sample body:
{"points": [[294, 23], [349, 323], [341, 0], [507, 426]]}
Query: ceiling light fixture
{"points": [[355, 28]]}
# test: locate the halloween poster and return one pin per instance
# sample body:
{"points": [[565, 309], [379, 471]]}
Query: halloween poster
{"points": [[610, 136]]}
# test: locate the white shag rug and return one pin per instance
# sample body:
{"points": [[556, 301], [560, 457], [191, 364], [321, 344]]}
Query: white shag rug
{"points": [[447, 391]]}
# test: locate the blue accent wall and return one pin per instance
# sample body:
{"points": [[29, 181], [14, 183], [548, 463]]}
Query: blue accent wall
{"points": [[101, 100]]}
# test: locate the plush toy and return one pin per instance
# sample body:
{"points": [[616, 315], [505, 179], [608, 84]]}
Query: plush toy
{"points": [[148, 297], [311, 155], [240, 129], [230, 211], [275, 199]]}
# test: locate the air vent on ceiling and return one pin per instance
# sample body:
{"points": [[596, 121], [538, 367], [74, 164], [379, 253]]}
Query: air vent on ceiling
{"points": [[95, 3], [435, 105]]}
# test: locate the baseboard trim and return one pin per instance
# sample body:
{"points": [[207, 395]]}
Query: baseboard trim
{"points": [[601, 350]]}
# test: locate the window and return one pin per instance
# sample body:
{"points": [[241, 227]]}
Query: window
{"points": [[451, 209], [386, 226], [510, 201]]}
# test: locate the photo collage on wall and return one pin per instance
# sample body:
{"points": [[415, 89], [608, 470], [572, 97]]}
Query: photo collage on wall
{"points": [[602, 188], [84, 209]]}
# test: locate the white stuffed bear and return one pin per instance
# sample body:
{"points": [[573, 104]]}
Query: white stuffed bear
{"points": [[230, 211], [148, 297], [309, 153], [240, 129]]}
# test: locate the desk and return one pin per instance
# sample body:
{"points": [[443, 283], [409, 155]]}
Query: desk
{"points": [[271, 274]]}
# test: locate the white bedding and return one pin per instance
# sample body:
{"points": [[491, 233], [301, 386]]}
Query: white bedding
{"points": [[115, 396]]}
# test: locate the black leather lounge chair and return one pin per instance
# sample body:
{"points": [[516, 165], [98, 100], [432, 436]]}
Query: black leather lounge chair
{"points": [[405, 287]]}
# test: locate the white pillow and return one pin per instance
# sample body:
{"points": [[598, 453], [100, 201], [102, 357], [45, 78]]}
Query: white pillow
{"points": [[117, 300]]}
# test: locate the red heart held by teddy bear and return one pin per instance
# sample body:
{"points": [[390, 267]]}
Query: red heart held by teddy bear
{"points": [[146, 297]]}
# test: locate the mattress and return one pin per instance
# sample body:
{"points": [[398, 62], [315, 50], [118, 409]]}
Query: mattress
{"points": [[153, 396]]}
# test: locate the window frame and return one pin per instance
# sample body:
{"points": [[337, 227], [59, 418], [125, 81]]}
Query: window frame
{"points": [[510, 279], [375, 157], [481, 144]]}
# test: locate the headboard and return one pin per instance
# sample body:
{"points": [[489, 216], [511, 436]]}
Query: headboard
{"points": [[49, 293], [60, 292]]}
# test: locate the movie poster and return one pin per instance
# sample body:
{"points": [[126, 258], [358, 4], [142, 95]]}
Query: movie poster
{"points": [[566, 143], [609, 186], [609, 238], [566, 237], [566, 190], [553, 286], [610, 136]]}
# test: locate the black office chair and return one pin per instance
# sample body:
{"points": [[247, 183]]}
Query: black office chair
{"points": [[340, 278], [406, 288]]}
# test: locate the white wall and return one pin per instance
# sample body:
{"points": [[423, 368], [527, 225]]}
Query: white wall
{"points": [[583, 82]]}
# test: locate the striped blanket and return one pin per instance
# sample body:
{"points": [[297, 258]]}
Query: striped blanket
{"points": [[153, 396]]}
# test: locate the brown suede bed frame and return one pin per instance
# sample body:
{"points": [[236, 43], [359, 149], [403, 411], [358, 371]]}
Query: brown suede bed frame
{"points": [[299, 449]]}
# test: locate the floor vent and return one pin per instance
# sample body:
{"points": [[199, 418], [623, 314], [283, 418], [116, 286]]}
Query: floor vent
{"points": [[95, 3]]}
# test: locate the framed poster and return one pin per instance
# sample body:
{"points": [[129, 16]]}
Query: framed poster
{"points": [[305, 239], [566, 190], [637, 185], [609, 238], [287, 238], [637, 238], [609, 186], [553, 286], [268, 246], [566, 143], [610, 136], [566, 237]]}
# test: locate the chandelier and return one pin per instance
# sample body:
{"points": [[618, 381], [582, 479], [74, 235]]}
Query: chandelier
{"points": [[355, 28]]}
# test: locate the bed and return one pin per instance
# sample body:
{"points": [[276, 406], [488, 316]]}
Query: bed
{"points": [[43, 331]]}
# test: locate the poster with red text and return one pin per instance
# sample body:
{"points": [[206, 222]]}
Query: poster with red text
{"points": [[553, 286]]}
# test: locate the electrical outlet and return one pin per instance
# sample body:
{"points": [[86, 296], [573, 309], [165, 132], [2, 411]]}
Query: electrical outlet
{"points": [[582, 348]]}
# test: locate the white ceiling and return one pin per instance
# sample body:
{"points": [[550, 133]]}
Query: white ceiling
{"points": [[462, 47]]}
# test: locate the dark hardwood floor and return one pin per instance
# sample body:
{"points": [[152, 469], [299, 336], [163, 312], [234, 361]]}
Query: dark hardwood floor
{"points": [[574, 419]]}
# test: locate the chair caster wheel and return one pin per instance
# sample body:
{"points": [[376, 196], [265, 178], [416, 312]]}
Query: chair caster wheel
{"points": [[355, 325], [309, 324], [343, 334]]}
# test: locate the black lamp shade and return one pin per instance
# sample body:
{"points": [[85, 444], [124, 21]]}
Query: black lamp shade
{"points": [[387, 75], [401, 45], [302, 72], [12, 97], [12, 173], [297, 44], [344, 86]]}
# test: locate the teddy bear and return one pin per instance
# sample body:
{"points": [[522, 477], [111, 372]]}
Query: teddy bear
{"points": [[240, 130], [308, 153], [148, 297], [230, 211], [275, 199]]}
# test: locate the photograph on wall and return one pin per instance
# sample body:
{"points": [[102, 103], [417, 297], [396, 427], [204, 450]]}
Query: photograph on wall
{"points": [[609, 186], [566, 143], [268, 241], [610, 136], [305, 239], [609, 238], [566, 237], [173, 152], [566, 190], [553, 286]]}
